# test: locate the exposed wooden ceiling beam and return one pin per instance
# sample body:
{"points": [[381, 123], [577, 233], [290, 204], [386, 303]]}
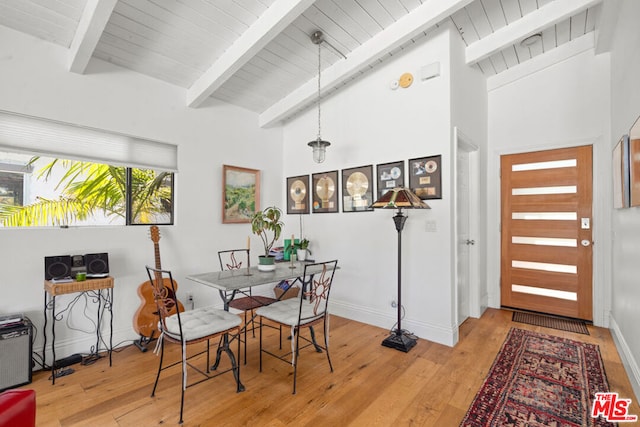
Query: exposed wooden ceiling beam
{"points": [[421, 19], [275, 19], [94, 18], [530, 24]]}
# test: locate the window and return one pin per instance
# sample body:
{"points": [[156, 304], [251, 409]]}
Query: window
{"points": [[56, 192], [59, 174]]}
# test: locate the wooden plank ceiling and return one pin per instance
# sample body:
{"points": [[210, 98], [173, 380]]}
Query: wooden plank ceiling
{"points": [[257, 54]]}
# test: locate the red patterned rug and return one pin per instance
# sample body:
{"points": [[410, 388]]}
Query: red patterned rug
{"points": [[540, 380]]}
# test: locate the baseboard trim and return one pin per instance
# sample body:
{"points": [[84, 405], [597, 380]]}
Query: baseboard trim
{"points": [[442, 335], [629, 362]]}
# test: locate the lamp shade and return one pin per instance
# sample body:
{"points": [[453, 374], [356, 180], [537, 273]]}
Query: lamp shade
{"points": [[400, 198]]}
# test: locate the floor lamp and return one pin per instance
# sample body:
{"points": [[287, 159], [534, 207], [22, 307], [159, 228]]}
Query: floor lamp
{"points": [[399, 198]]}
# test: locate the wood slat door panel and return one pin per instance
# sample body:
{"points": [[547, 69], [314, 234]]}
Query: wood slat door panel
{"points": [[544, 203], [546, 254], [546, 279], [545, 266], [532, 228], [554, 177], [541, 304]]}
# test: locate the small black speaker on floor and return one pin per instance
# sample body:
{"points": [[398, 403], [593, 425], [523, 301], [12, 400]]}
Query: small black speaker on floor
{"points": [[97, 264], [56, 267]]}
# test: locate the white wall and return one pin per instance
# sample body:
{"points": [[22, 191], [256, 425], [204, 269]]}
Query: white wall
{"points": [[566, 104], [367, 123], [625, 109], [469, 115], [34, 80]]}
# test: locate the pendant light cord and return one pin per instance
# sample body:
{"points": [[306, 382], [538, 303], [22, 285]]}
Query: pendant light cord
{"points": [[319, 138]]}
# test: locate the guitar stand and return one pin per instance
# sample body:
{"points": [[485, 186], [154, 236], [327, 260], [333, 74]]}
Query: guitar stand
{"points": [[143, 342]]}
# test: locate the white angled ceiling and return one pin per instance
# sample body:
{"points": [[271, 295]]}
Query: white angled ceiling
{"points": [[257, 54]]}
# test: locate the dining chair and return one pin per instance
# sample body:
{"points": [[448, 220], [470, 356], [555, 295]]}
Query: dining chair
{"points": [[235, 259], [310, 308], [191, 327]]}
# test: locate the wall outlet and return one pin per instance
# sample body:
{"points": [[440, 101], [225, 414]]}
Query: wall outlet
{"points": [[190, 297]]}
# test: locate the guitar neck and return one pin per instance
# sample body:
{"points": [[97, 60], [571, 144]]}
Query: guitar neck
{"points": [[156, 250]]}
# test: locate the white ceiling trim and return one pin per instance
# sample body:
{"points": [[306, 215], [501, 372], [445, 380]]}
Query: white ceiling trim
{"points": [[421, 19], [274, 20], [532, 23], [540, 62], [94, 18]]}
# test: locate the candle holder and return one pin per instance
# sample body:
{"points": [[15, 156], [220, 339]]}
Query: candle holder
{"points": [[247, 272], [292, 257]]}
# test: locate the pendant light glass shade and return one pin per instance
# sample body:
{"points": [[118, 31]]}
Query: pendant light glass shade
{"points": [[319, 149], [318, 145]]}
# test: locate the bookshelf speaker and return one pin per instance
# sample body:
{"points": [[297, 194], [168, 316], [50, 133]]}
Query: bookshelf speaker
{"points": [[56, 267], [15, 353], [97, 264]]}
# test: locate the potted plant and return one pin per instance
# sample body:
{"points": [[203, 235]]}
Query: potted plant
{"points": [[303, 249], [267, 225]]}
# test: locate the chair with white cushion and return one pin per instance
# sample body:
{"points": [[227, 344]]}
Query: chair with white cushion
{"points": [[191, 327], [310, 308]]}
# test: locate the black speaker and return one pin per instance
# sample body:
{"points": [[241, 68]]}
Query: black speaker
{"points": [[56, 267], [97, 264], [15, 351]]}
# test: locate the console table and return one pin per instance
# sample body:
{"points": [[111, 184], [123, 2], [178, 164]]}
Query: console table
{"points": [[98, 291]]}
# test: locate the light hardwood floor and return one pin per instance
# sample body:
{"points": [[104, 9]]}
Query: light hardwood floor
{"points": [[432, 385]]}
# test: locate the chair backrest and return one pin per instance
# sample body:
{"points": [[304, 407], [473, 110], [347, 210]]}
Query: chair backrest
{"points": [[164, 295], [233, 259], [317, 290]]}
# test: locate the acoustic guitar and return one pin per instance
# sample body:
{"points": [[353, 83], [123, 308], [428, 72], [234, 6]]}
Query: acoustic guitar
{"points": [[145, 321]]}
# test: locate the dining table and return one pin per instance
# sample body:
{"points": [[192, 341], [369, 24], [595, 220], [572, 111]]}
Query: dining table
{"points": [[231, 282]]}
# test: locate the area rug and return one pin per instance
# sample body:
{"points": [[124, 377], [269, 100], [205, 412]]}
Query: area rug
{"points": [[540, 380], [561, 324]]}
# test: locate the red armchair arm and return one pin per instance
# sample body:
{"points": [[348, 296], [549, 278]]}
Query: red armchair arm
{"points": [[18, 408]]}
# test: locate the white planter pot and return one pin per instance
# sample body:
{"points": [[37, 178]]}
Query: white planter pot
{"points": [[302, 254]]}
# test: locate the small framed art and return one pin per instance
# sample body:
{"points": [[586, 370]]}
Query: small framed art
{"points": [[325, 192], [425, 177], [298, 194], [634, 163], [357, 189], [390, 176], [621, 176], [240, 194]]}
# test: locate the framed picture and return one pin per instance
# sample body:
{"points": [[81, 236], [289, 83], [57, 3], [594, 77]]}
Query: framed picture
{"points": [[240, 194], [390, 176], [620, 167], [425, 177], [634, 163], [325, 192], [298, 194], [357, 189]]}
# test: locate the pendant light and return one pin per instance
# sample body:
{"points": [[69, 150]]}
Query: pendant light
{"points": [[318, 145]]}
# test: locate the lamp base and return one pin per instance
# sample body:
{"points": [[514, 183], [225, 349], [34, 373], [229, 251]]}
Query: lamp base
{"points": [[399, 340]]}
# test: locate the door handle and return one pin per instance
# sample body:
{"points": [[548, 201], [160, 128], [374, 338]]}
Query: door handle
{"points": [[470, 242]]}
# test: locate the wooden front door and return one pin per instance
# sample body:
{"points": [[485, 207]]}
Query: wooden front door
{"points": [[546, 260]]}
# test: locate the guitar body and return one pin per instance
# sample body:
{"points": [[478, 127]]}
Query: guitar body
{"points": [[146, 317], [145, 320]]}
